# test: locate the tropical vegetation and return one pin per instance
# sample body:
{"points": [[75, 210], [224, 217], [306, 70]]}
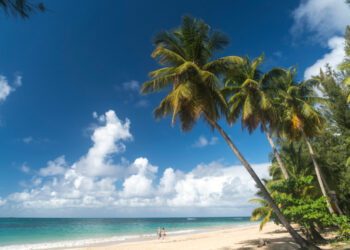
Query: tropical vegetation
{"points": [[308, 133]]}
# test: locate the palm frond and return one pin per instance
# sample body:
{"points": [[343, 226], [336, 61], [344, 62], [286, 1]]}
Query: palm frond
{"points": [[167, 57], [158, 84], [223, 64]]}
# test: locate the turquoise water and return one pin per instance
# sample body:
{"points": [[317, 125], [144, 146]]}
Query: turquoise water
{"points": [[20, 232]]}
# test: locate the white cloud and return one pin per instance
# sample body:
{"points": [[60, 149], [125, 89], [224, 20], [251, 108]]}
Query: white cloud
{"points": [[325, 22], [6, 88], [202, 141], [130, 94], [37, 181], [106, 141], [322, 18], [132, 85], [25, 168], [95, 181], [333, 58], [216, 185], [55, 167], [2, 202], [27, 140], [168, 181], [100, 118], [140, 184], [18, 81]]}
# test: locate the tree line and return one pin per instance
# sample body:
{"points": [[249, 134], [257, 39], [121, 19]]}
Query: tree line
{"points": [[308, 133]]}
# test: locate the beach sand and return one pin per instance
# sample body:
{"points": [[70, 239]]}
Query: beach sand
{"points": [[245, 237]]}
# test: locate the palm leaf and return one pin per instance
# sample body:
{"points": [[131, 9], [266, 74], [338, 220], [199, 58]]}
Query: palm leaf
{"points": [[167, 56]]}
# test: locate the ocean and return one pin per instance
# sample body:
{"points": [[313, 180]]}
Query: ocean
{"points": [[46, 233]]}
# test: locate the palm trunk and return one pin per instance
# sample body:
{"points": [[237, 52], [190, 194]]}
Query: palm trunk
{"points": [[321, 180], [297, 238], [332, 195], [316, 236], [318, 175], [277, 155]]}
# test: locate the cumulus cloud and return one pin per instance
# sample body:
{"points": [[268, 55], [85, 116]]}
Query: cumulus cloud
{"points": [[6, 88], [333, 58], [107, 140], [322, 18], [202, 141], [55, 167], [140, 184], [95, 181]]}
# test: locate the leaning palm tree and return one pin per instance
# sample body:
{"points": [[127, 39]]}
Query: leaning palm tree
{"points": [[250, 98], [22, 8], [300, 120], [191, 78]]}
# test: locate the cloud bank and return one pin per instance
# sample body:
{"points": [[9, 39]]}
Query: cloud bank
{"points": [[95, 182]]}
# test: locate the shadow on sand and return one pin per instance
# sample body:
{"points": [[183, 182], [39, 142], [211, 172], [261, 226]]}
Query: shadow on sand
{"points": [[283, 243]]}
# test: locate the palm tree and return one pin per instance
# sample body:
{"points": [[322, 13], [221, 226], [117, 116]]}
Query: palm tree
{"points": [[263, 213], [300, 120], [250, 97], [191, 79], [295, 158], [22, 8]]}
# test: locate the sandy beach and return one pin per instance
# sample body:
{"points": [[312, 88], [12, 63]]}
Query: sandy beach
{"points": [[246, 237]]}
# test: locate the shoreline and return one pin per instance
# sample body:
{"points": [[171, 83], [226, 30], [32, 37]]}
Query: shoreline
{"points": [[171, 235], [120, 239], [246, 237], [240, 237]]}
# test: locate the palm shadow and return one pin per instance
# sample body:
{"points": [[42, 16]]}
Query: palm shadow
{"points": [[282, 243]]}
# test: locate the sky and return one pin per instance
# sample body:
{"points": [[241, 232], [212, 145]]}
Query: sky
{"points": [[78, 140]]}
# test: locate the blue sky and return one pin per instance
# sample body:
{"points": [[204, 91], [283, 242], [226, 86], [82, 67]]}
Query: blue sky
{"points": [[83, 57]]}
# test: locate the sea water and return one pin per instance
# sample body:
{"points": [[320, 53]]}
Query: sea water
{"points": [[46, 233]]}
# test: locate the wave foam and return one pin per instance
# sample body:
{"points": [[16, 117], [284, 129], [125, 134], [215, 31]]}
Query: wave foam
{"points": [[88, 242]]}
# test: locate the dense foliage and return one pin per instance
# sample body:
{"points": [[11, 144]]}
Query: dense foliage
{"points": [[299, 197]]}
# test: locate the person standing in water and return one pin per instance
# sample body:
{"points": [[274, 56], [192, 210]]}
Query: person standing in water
{"points": [[159, 233], [163, 233]]}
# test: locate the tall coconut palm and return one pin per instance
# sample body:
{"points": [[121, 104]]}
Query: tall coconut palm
{"points": [[249, 98], [191, 78], [300, 120]]}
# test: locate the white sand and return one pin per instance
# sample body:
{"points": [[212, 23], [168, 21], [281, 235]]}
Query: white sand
{"points": [[246, 237]]}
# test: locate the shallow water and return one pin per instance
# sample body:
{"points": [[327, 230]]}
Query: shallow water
{"points": [[44, 233]]}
